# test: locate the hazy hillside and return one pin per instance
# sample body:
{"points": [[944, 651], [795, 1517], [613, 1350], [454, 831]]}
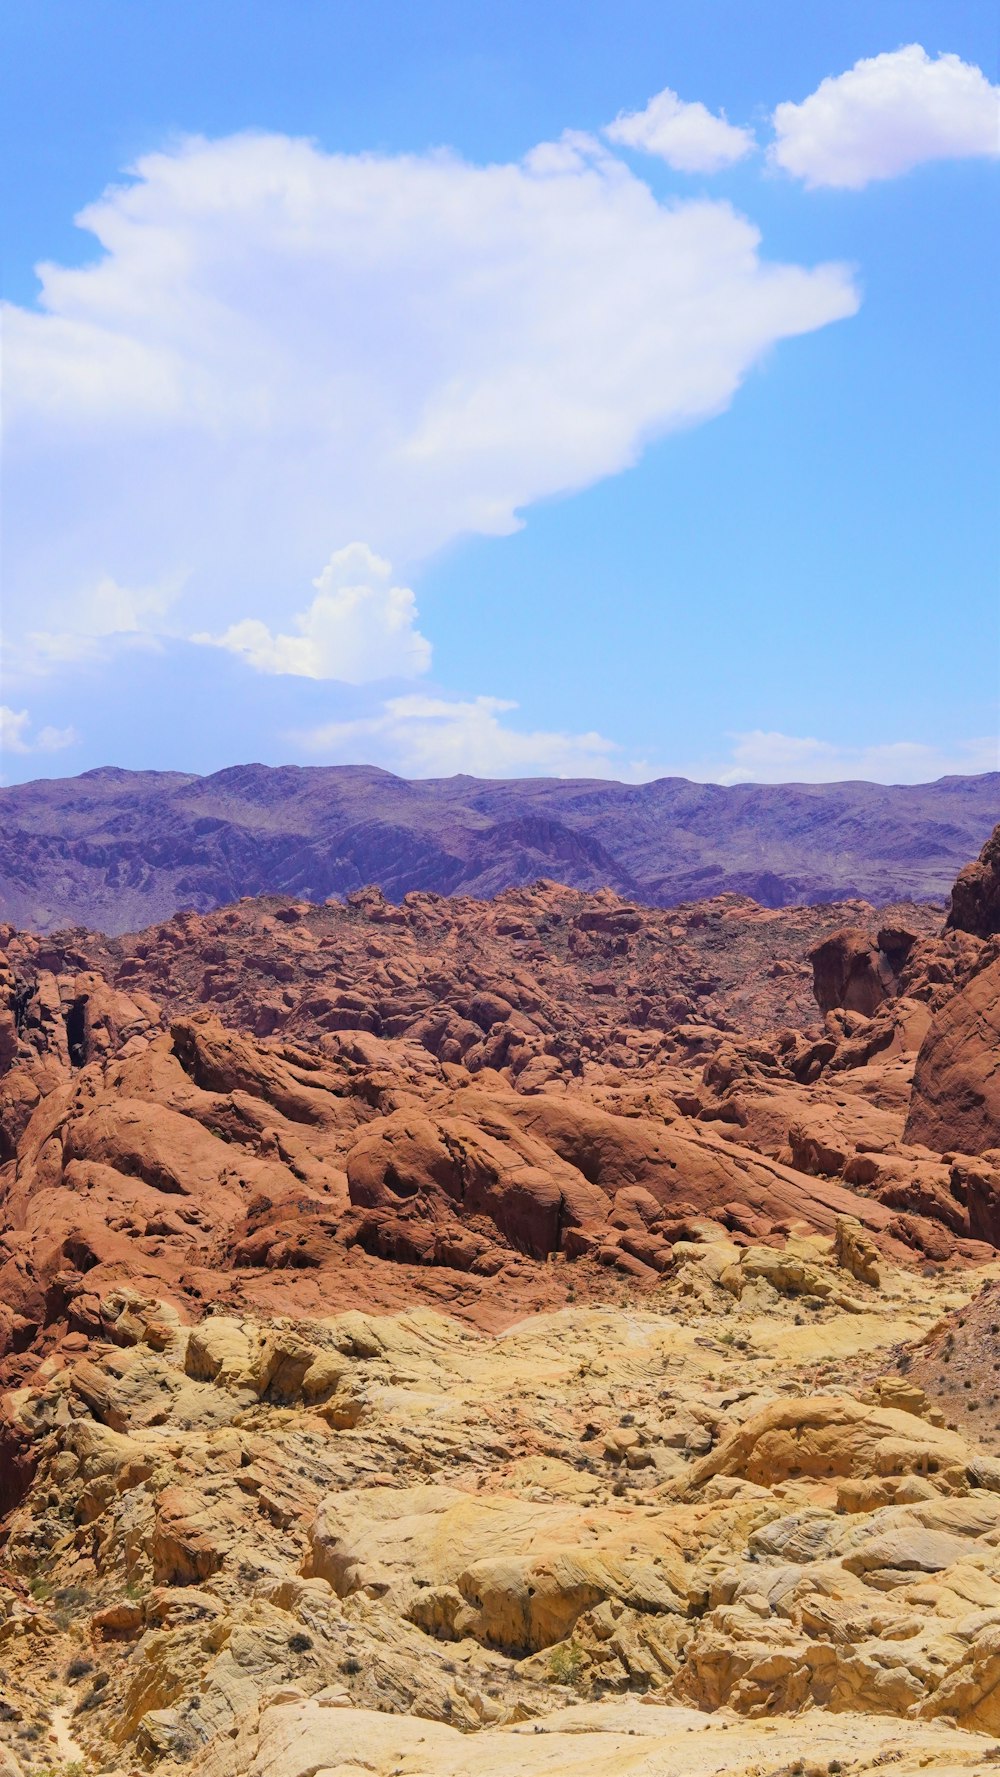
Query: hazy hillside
{"points": [[116, 850]]}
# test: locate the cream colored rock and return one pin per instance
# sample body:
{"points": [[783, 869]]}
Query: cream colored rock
{"points": [[462, 1532], [513, 1574], [219, 1350], [789, 1273], [832, 1437], [318, 1737], [856, 1251]]}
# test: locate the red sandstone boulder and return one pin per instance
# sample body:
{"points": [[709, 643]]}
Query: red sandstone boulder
{"points": [[484, 1167], [956, 1083], [850, 970], [975, 898], [981, 1185]]}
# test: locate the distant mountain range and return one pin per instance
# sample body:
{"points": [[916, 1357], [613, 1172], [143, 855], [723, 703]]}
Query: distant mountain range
{"points": [[116, 850]]}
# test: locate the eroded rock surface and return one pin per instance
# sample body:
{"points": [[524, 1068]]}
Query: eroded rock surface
{"points": [[524, 1337], [956, 1089], [722, 1500]]}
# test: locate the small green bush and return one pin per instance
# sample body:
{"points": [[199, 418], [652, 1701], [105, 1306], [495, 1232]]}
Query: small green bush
{"points": [[566, 1662]]}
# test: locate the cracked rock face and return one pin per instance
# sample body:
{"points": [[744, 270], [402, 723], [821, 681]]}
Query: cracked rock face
{"points": [[523, 1378], [243, 1538], [956, 1088]]}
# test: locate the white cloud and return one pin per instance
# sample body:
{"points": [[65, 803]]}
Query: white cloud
{"points": [[885, 115], [53, 740], [439, 737], [278, 348], [15, 735], [688, 137], [422, 736], [359, 627], [111, 609], [86, 624], [762, 758], [13, 728]]}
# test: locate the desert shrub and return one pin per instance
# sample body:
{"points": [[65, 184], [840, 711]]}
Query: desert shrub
{"points": [[566, 1663]]}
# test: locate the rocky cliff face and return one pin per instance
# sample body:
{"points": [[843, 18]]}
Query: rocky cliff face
{"points": [[522, 1336], [117, 850], [975, 898], [956, 1089]]}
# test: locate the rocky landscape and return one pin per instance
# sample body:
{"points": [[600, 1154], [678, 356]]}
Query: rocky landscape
{"points": [[117, 850], [550, 1334]]}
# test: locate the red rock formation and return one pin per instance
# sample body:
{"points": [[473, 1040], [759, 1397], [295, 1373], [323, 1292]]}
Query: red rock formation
{"points": [[453, 1092], [544, 979], [850, 970], [956, 1084], [225, 1136], [975, 898], [431, 1095]]}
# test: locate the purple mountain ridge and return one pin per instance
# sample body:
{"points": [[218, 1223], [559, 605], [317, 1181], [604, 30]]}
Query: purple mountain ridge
{"points": [[116, 850]]}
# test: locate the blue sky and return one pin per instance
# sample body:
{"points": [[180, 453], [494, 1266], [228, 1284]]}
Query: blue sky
{"points": [[382, 419]]}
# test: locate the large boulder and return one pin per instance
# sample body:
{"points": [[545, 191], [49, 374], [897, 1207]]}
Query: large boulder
{"points": [[975, 898], [850, 970], [956, 1084], [826, 1436], [483, 1167]]}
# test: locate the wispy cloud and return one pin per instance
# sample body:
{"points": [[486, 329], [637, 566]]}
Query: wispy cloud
{"points": [[435, 736], [758, 756], [438, 737], [16, 735], [92, 625]]}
